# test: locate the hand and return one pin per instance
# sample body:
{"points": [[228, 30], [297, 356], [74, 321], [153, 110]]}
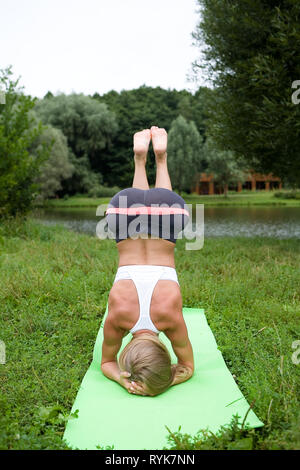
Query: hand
{"points": [[131, 386], [181, 373]]}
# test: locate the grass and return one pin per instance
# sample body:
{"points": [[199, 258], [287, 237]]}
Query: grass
{"points": [[54, 287], [245, 198]]}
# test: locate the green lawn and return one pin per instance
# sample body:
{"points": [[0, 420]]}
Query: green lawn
{"points": [[244, 198], [54, 287]]}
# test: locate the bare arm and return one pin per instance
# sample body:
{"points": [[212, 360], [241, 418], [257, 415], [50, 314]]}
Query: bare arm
{"points": [[112, 342], [111, 345], [178, 335]]}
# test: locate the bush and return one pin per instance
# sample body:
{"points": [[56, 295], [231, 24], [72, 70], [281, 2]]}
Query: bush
{"points": [[288, 195], [231, 437], [58, 167], [18, 168]]}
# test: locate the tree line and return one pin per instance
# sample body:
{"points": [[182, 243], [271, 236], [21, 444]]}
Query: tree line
{"points": [[99, 130], [75, 144]]}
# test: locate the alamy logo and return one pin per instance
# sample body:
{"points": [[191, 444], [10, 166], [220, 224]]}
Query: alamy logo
{"points": [[156, 221], [296, 94], [2, 96], [2, 352], [296, 354]]}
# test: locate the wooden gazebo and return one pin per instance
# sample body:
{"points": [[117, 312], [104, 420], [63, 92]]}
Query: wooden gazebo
{"points": [[205, 184]]}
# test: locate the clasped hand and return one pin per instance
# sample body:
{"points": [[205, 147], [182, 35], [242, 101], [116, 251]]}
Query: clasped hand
{"points": [[131, 386]]}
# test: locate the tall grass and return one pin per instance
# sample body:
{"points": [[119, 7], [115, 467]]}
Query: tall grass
{"points": [[53, 292]]}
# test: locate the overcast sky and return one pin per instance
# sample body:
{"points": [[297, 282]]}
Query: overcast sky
{"points": [[93, 46]]}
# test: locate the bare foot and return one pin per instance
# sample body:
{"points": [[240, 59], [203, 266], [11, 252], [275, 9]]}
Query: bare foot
{"points": [[141, 141], [159, 142]]}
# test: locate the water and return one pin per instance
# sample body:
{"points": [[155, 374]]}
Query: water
{"points": [[277, 222]]}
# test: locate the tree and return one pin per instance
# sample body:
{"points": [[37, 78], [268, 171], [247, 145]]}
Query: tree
{"points": [[139, 109], [251, 50], [194, 107], [57, 167], [18, 168], [132, 110], [83, 179], [88, 125], [223, 165], [185, 153]]}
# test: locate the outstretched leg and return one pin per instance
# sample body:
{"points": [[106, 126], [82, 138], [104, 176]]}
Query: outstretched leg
{"points": [[141, 141], [160, 142]]}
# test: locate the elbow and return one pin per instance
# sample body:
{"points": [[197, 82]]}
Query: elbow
{"points": [[188, 365], [103, 367], [190, 370]]}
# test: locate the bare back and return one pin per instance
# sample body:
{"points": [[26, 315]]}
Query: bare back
{"points": [[165, 308], [166, 298], [146, 251]]}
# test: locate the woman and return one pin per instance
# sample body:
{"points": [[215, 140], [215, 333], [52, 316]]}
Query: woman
{"points": [[145, 298]]}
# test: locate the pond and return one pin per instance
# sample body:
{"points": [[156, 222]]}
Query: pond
{"points": [[277, 222]]}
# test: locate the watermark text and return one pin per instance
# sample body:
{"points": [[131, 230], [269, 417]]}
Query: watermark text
{"points": [[296, 354], [2, 352], [296, 94], [157, 221]]}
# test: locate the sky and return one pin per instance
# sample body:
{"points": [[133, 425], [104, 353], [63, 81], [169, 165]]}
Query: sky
{"points": [[93, 46]]}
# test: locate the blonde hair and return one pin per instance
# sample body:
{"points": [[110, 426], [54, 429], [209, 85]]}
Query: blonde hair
{"points": [[148, 361]]}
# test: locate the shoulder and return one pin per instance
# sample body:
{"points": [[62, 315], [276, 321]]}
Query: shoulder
{"points": [[123, 305], [167, 297], [166, 305], [122, 297]]}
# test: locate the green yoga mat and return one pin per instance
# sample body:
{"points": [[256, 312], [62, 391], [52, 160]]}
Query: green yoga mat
{"points": [[110, 416]]}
